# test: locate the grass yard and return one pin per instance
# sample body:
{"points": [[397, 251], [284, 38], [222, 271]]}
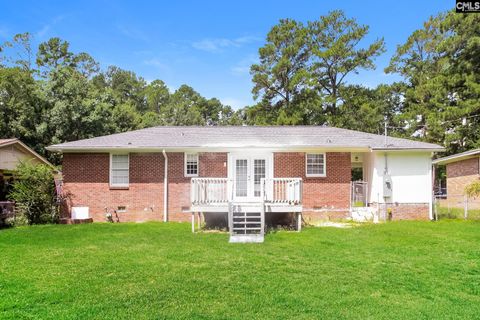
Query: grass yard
{"points": [[401, 270], [457, 213]]}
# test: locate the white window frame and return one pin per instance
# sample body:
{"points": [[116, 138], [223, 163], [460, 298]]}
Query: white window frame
{"points": [[185, 156], [316, 175], [110, 170]]}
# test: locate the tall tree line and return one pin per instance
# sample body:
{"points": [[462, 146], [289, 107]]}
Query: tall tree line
{"points": [[51, 94], [302, 74]]}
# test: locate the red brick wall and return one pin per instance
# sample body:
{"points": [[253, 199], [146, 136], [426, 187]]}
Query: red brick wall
{"points": [[410, 211], [462, 168], [402, 211], [330, 193], [178, 188], [210, 165], [86, 182], [459, 175], [213, 165]]}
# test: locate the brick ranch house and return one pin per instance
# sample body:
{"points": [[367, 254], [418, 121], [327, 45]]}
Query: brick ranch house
{"points": [[461, 169], [171, 173]]}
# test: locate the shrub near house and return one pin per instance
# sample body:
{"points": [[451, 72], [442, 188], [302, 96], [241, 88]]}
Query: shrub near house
{"points": [[34, 194]]}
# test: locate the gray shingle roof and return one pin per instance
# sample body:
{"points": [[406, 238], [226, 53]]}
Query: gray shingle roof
{"points": [[243, 136], [457, 157]]}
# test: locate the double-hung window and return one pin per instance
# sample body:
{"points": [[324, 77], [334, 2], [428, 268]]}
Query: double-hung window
{"points": [[119, 170], [315, 165], [191, 164]]}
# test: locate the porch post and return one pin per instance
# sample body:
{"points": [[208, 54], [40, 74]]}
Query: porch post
{"points": [[299, 221], [193, 222]]}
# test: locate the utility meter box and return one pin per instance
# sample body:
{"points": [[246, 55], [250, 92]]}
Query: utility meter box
{"points": [[387, 186]]}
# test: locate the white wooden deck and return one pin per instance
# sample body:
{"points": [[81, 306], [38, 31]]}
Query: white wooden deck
{"points": [[276, 194], [247, 205]]}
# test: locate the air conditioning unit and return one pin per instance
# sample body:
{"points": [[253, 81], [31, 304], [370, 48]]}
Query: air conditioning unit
{"points": [[80, 213]]}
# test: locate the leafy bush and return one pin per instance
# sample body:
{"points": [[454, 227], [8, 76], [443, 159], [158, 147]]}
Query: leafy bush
{"points": [[473, 189], [34, 194]]}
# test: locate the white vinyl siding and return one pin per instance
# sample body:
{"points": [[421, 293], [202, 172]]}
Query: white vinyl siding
{"points": [[119, 170], [191, 165], [315, 165]]}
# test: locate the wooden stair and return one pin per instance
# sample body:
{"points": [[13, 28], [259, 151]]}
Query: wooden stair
{"points": [[246, 222]]}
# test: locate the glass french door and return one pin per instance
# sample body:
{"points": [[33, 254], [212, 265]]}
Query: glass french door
{"points": [[247, 174], [241, 179]]}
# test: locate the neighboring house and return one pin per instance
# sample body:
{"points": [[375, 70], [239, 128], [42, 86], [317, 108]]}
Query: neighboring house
{"points": [[164, 173], [461, 169], [12, 152]]}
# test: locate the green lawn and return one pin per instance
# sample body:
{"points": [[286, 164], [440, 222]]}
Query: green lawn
{"points": [[457, 213], [406, 270]]}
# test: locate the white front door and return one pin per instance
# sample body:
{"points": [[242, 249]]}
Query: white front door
{"points": [[247, 174]]}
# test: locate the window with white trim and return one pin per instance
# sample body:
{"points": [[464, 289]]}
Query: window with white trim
{"points": [[119, 170], [315, 165], [191, 164]]}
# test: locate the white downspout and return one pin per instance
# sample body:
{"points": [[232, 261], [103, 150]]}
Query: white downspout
{"points": [[432, 191], [165, 188]]}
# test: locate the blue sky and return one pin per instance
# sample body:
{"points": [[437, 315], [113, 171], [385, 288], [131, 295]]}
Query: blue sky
{"points": [[208, 45]]}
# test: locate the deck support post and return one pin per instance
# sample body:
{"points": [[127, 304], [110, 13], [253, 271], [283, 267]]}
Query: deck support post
{"points": [[299, 221], [262, 219], [199, 221], [230, 218], [193, 222]]}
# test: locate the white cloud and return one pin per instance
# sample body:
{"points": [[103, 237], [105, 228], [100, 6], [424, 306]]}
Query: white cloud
{"points": [[240, 70], [4, 33], [219, 44], [42, 32], [243, 66], [45, 30], [132, 33], [233, 102], [157, 64], [142, 52]]}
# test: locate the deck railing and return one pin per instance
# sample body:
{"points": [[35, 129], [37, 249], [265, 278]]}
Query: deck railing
{"points": [[283, 190], [211, 191]]}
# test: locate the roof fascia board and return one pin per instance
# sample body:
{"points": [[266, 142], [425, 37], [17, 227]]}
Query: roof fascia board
{"points": [[208, 149], [10, 142], [409, 150], [455, 158]]}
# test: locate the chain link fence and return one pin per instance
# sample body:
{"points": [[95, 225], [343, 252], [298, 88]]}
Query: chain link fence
{"points": [[358, 192], [456, 206]]}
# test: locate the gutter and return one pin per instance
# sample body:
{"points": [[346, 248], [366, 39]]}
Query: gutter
{"points": [[457, 157], [409, 149], [165, 188], [227, 148], [216, 148]]}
